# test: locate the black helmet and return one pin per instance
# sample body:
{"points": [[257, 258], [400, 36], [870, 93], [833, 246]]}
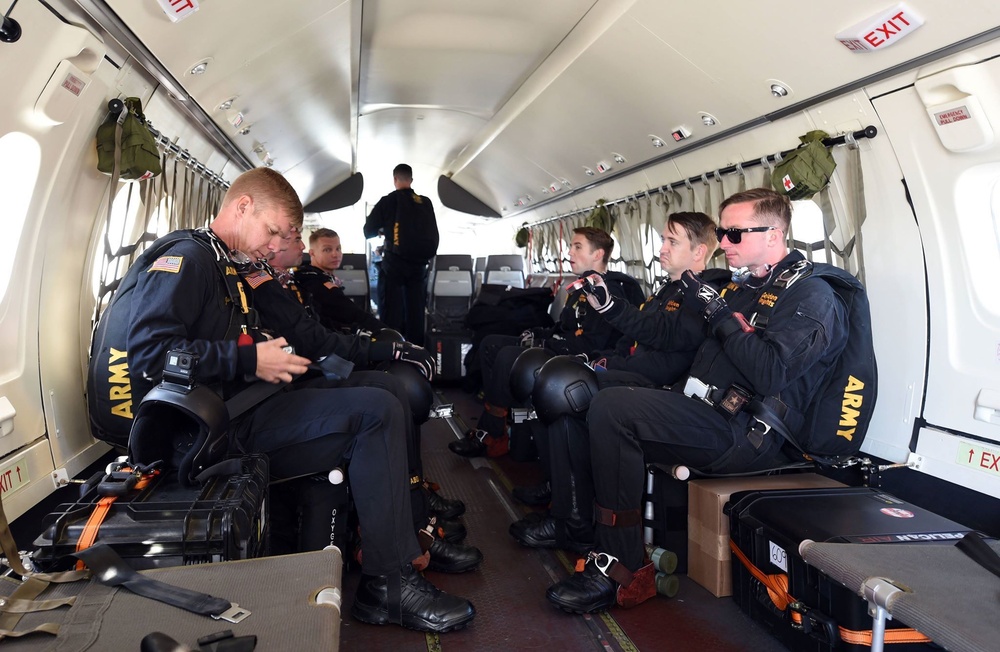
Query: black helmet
{"points": [[564, 387], [418, 389], [525, 370], [185, 428], [387, 335]]}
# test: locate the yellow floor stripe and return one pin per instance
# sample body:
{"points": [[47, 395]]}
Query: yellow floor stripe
{"points": [[433, 642]]}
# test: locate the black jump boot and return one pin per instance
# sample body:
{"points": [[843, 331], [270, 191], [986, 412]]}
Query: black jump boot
{"points": [[441, 506], [443, 555], [450, 531], [407, 599], [568, 534], [584, 592], [472, 446], [538, 495], [453, 557]]}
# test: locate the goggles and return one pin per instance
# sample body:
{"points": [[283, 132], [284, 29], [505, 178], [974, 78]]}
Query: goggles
{"points": [[736, 235]]}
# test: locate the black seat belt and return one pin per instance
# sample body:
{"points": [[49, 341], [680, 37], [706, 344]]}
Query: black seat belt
{"points": [[975, 547], [111, 570]]}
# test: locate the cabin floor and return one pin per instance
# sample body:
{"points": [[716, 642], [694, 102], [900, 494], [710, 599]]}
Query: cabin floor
{"points": [[508, 589]]}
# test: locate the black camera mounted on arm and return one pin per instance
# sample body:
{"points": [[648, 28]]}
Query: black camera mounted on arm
{"points": [[180, 368]]}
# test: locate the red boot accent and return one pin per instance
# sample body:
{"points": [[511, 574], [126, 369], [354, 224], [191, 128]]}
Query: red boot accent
{"points": [[642, 588]]}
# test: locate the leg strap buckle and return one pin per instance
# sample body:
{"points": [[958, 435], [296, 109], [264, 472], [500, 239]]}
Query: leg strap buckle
{"points": [[610, 567]]}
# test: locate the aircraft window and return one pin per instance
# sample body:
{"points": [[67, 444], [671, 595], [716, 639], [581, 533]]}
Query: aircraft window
{"points": [[120, 232], [20, 159], [807, 230]]}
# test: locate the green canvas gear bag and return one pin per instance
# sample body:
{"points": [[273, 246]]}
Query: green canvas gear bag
{"points": [[600, 217], [807, 170], [140, 158], [521, 237]]}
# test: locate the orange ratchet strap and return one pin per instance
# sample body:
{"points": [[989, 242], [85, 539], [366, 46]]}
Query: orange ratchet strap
{"points": [[101, 509], [777, 590]]}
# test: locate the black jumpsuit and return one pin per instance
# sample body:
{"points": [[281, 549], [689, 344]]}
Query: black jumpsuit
{"points": [[642, 358], [403, 281], [580, 330], [335, 309], [303, 429], [806, 333]]}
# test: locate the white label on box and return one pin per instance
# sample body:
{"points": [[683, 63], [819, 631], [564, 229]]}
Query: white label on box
{"points": [[778, 556]]}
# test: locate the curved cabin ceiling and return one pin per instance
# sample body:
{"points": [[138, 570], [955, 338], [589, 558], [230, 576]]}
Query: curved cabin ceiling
{"points": [[511, 98]]}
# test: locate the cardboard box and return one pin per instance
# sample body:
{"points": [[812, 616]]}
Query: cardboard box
{"points": [[708, 527]]}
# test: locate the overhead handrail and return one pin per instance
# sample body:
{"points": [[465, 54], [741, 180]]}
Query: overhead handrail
{"points": [[850, 138]]}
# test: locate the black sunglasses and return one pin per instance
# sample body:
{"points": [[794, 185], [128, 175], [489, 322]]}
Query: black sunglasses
{"points": [[736, 235]]}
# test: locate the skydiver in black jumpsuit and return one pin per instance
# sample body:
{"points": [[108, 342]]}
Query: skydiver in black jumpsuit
{"points": [[181, 302], [702, 422]]}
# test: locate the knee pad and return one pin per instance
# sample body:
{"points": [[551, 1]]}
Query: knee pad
{"points": [[564, 387], [524, 372]]}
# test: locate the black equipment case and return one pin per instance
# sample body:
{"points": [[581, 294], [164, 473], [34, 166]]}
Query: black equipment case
{"points": [[815, 612], [448, 348], [167, 524]]}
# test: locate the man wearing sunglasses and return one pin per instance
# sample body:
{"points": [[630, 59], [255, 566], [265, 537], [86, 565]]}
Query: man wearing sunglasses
{"points": [[707, 421]]}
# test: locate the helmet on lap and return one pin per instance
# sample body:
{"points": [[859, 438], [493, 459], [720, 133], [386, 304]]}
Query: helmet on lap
{"points": [[564, 387]]}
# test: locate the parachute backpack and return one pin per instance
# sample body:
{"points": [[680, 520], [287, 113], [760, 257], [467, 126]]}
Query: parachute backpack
{"points": [[806, 170], [836, 421], [414, 230], [125, 136]]}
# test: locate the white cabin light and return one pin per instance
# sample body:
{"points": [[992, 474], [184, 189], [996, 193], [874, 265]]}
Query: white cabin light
{"points": [[589, 172], [200, 68], [619, 159], [656, 140], [779, 89], [227, 104], [708, 119]]}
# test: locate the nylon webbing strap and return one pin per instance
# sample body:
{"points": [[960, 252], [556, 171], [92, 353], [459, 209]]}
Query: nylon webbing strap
{"points": [[251, 396], [111, 570], [90, 529], [777, 590], [611, 518], [973, 545]]}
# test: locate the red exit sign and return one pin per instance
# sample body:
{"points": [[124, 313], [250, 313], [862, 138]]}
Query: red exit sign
{"points": [[881, 30]]}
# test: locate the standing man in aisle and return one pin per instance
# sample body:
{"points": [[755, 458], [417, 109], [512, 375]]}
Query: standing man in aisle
{"points": [[407, 221]]}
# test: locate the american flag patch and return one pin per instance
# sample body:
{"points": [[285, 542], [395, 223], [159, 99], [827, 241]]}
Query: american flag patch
{"points": [[257, 279], [167, 264]]}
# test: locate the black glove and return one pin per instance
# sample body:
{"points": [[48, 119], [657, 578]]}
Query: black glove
{"points": [[404, 352], [598, 295], [705, 301], [418, 355]]}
